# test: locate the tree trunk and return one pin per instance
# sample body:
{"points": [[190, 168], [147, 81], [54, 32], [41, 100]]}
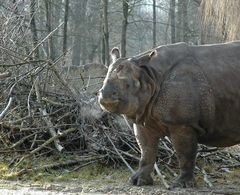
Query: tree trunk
{"points": [[179, 21], [34, 28], [154, 23], [77, 37], [172, 16], [105, 32], [79, 18], [103, 48], [56, 20], [48, 6], [124, 28], [185, 20], [65, 26]]}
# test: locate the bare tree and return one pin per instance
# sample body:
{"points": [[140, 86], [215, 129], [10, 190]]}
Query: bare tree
{"points": [[179, 22], [105, 32], [173, 18], [51, 50], [78, 21], [125, 4], [33, 27], [154, 23], [185, 20], [77, 37], [65, 26], [182, 20]]}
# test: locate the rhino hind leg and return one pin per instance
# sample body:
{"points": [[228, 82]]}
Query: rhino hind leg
{"points": [[185, 144], [148, 146]]}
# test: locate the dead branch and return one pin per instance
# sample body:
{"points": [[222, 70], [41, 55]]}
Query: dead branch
{"points": [[2, 114], [205, 178], [229, 166], [5, 75], [46, 118], [161, 176], [57, 136], [62, 164], [70, 89], [125, 162], [43, 40], [22, 140]]}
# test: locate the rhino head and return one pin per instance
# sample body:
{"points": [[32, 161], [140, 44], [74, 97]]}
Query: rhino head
{"points": [[128, 86]]}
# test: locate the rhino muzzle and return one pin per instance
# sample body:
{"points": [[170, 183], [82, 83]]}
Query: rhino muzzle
{"points": [[108, 99]]}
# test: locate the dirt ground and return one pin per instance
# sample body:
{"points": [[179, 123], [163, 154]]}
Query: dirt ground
{"points": [[94, 187], [99, 179], [101, 186]]}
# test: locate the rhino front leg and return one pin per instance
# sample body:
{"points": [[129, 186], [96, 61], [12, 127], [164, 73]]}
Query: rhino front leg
{"points": [[148, 146], [185, 143]]}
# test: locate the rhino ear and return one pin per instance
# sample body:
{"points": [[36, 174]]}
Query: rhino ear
{"points": [[144, 60], [153, 53], [115, 54]]}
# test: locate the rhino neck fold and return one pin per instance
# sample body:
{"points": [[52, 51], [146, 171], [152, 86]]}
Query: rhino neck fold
{"points": [[148, 97]]}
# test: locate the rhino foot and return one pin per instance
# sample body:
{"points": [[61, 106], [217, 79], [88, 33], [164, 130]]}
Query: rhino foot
{"points": [[184, 182], [139, 179]]}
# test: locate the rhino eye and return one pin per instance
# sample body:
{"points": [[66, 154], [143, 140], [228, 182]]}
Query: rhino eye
{"points": [[127, 85], [120, 67]]}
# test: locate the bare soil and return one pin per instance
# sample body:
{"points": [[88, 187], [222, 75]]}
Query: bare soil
{"points": [[113, 185], [99, 179]]}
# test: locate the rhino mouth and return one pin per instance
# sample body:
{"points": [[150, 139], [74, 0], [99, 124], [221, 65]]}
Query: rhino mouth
{"points": [[109, 105]]}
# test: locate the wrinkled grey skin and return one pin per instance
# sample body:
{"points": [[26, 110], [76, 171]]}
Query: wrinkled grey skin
{"points": [[189, 93]]}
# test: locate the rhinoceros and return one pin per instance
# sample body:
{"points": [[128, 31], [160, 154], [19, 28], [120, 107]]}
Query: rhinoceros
{"points": [[189, 93]]}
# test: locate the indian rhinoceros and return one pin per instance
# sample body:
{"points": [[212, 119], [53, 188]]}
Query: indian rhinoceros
{"points": [[189, 93]]}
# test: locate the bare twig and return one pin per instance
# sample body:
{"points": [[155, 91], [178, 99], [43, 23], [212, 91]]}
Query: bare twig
{"points": [[125, 162], [5, 75], [40, 43], [205, 178], [161, 176], [45, 144], [2, 114], [46, 119], [21, 141], [61, 164]]}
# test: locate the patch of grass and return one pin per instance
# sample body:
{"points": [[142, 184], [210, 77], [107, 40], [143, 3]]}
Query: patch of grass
{"points": [[233, 176], [96, 171], [5, 172], [88, 173]]}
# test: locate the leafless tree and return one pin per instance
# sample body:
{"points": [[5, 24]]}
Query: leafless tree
{"points": [[79, 16], [105, 32], [65, 26], [154, 23], [49, 18], [173, 19], [125, 6]]}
